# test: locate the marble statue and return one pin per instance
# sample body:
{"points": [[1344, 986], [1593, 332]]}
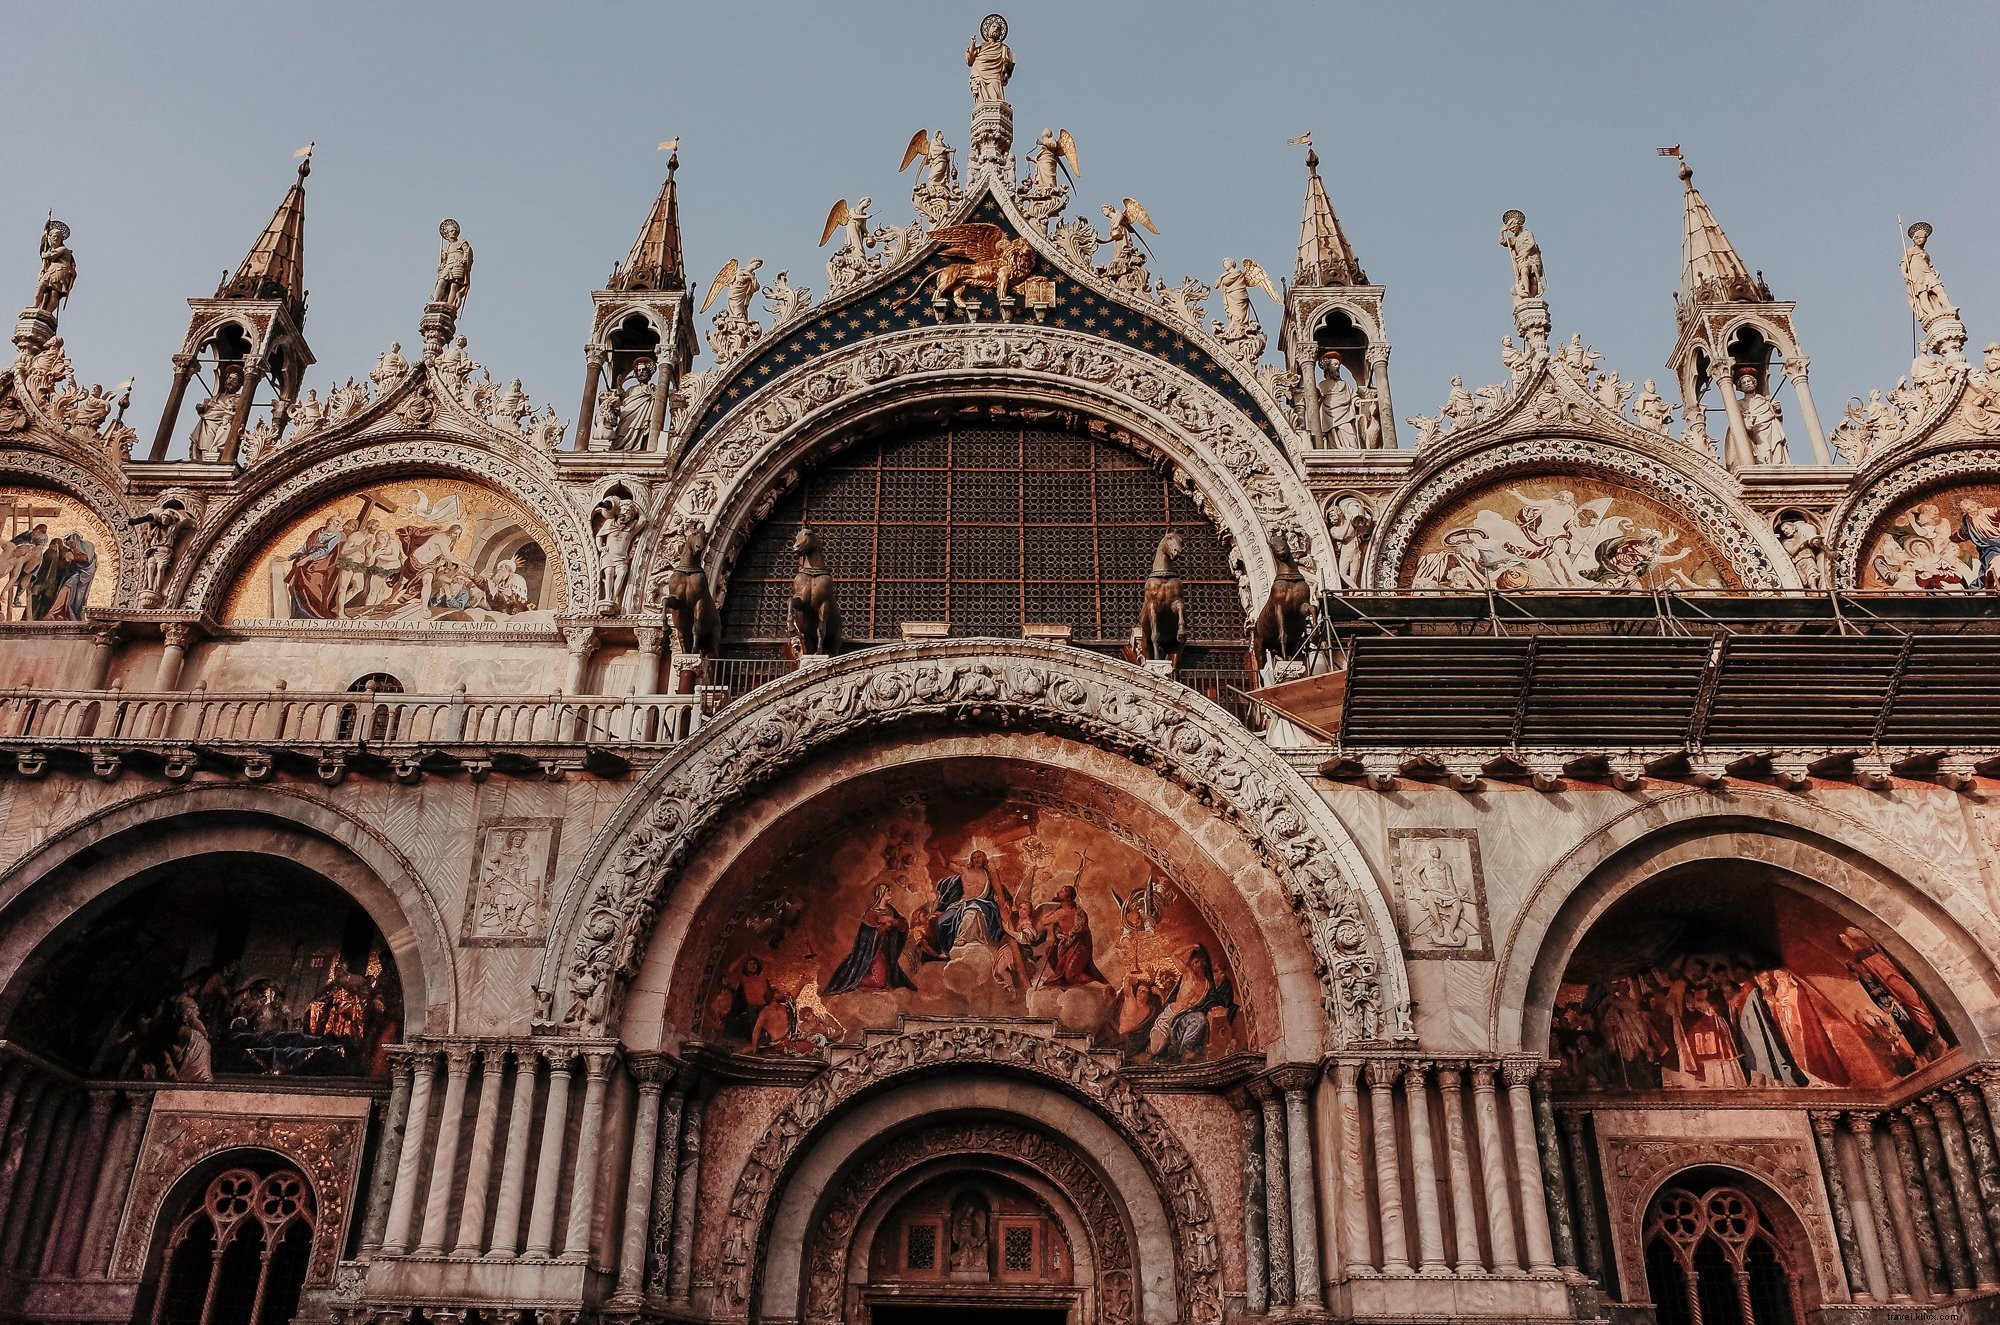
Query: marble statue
{"points": [[849, 262], [309, 415], [936, 191], [1052, 155], [1517, 360], [1519, 241], [87, 413], [455, 365], [1339, 408], [1805, 545], [1651, 409], [1920, 274], [391, 368], [1348, 523], [618, 521], [160, 531], [734, 331], [1127, 267], [46, 368], [1427, 425], [785, 301], [1579, 358], [58, 274], [1459, 406], [1763, 420], [510, 405], [990, 61], [454, 269], [633, 429], [1240, 330], [210, 439]]}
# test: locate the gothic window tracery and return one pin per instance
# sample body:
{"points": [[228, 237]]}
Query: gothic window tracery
{"points": [[238, 1255], [1712, 1260]]}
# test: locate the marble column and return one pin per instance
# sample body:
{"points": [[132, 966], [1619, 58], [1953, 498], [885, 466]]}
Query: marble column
{"points": [[1823, 1125], [1256, 1251], [1277, 1193], [1922, 1228], [1307, 1291], [409, 1165], [444, 1158], [1985, 1161], [1588, 1233], [1382, 1075], [1458, 1168], [1797, 371], [479, 1168], [47, 1171], [650, 640], [86, 1169], [1528, 1166], [506, 1240], [388, 1153], [1736, 452], [680, 1284], [652, 1074], [1493, 1171], [1862, 1124], [1964, 1187], [666, 1173], [1944, 1212], [14, 1145], [127, 1131], [549, 1165], [1355, 1250], [1555, 1180], [1423, 1170], [589, 1139]]}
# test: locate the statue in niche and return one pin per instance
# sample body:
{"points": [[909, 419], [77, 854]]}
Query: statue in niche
{"points": [[58, 274], [632, 429], [454, 269], [161, 530], [1519, 241], [1339, 407], [969, 1253], [1763, 420], [1920, 274], [618, 521], [990, 61], [1805, 545], [210, 438], [1348, 523]]}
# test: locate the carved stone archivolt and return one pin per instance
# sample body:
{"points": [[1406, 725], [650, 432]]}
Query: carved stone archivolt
{"points": [[22, 459], [1909, 475], [1031, 1052], [1246, 483], [632, 865], [860, 1187]]}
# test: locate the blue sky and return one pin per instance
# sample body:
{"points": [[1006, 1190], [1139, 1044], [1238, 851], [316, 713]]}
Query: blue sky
{"points": [[163, 135]]}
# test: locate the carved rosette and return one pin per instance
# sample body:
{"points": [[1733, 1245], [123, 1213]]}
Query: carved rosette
{"points": [[635, 860], [1197, 1268]]}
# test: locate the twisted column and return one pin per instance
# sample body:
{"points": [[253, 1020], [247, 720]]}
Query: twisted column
{"points": [[1458, 1168], [1951, 1237], [548, 1166], [680, 1285], [666, 1172], [1922, 1228], [422, 1063], [1382, 1076], [1277, 1189], [652, 1073], [479, 1170], [1823, 1124], [583, 1191], [1985, 1162], [1353, 1167], [1862, 1124], [1588, 1232], [1423, 1170], [444, 1161], [506, 1239], [1256, 1267], [1958, 1165], [1306, 1290], [1493, 1171], [1528, 1166], [388, 1151]]}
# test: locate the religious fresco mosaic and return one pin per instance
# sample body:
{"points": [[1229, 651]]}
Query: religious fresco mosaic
{"points": [[1751, 986], [1947, 541], [977, 906], [416, 549], [1569, 533], [57, 559], [226, 966]]}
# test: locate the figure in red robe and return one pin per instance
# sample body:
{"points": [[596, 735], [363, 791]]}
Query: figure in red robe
{"points": [[1070, 961]]}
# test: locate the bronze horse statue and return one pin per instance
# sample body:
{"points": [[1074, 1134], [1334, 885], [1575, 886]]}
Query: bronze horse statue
{"points": [[815, 610], [690, 609], [1160, 617], [1279, 632]]}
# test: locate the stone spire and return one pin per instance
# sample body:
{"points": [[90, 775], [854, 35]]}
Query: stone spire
{"points": [[275, 267], [1325, 256], [655, 260], [1711, 272]]}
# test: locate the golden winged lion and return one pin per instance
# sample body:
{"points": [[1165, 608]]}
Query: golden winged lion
{"points": [[992, 262]]}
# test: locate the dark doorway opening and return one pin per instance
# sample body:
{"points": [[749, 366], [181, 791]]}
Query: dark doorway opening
{"points": [[946, 1313]]}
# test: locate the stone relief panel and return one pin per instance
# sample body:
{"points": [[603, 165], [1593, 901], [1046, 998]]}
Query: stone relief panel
{"points": [[57, 558], [1441, 893], [975, 905], [1945, 540], [507, 902], [413, 550]]}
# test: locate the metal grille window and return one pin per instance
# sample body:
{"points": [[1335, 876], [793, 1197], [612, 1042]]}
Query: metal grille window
{"points": [[1019, 1250], [920, 1246], [988, 528]]}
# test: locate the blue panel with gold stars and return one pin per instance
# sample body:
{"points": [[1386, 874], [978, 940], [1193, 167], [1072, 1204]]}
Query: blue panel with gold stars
{"points": [[1078, 308]]}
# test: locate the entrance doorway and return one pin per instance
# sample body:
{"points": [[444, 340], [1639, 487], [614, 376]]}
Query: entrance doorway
{"points": [[945, 1313]]}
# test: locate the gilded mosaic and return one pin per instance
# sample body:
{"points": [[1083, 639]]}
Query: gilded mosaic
{"points": [[56, 557], [1948, 541]]}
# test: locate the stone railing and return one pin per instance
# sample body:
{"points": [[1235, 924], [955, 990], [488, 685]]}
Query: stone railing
{"points": [[358, 719]]}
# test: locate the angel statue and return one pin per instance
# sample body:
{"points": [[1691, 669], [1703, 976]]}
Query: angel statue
{"points": [[990, 61], [937, 190], [1240, 330], [991, 261], [849, 262], [1127, 267], [734, 331], [1044, 194]]}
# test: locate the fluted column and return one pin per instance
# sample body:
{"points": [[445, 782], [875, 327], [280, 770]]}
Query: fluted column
{"points": [[388, 1154], [1951, 1237], [1554, 1180], [35, 1215], [680, 1285], [589, 1137], [548, 1168], [506, 1240], [652, 1074], [1307, 1292], [1862, 1125], [94, 1260], [1985, 1162], [1922, 1226], [444, 1160], [1423, 1170], [479, 1168], [1256, 1251], [85, 1173], [1382, 1076], [1277, 1193], [1458, 1168], [1493, 1171], [1354, 1247], [1823, 1124], [421, 1062], [21, 1132], [666, 1175], [1589, 1235], [1528, 1166], [1958, 1166]]}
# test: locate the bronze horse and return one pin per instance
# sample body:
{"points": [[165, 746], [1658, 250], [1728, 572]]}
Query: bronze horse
{"points": [[815, 610], [1279, 632], [690, 610], [1160, 617]]}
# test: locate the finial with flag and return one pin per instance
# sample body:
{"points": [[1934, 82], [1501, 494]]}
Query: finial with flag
{"points": [[1303, 140], [305, 151], [672, 144], [305, 159], [1674, 151]]}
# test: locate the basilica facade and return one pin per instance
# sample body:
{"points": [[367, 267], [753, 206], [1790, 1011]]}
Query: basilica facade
{"points": [[1003, 786]]}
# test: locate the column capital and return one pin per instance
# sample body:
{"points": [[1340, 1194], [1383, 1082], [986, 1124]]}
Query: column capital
{"points": [[579, 639], [405, 1057], [177, 634], [1383, 1072], [559, 1057], [1295, 1079], [1482, 1077], [1449, 1074], [1919, 1115], [1719, 370], [1378, 355], [1242, 1099], [1345, 1073], [649, 637], [1861, 1121], [652, 1071], [1963, 1091], [1824, 1121], [1416, 1073], [458, 1059], [1520, 1073], [1796, 369], [597, 1062]]}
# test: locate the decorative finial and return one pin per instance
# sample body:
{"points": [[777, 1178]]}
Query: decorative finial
{"points": [[305, 155], [672, 147]]}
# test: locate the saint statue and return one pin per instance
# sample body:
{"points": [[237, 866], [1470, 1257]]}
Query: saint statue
{"points": [[58, 274], [633, 428], [1519, 241], [1339, 409], [1764, 421], [990, 61], [1920, 274], [210, 439], [454, 273]]}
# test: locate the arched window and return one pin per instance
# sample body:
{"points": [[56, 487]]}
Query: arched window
{"points": [[379, 726], [1710, 1260], [238, 1254]]}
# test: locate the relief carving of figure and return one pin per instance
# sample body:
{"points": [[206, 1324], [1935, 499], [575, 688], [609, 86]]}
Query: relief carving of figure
{"points": [[618, 521], [1804, 544], [1348, 523], [454, 269], [1519, 241], [161, 529], [990, 61], [58, 273], [633, 428]]}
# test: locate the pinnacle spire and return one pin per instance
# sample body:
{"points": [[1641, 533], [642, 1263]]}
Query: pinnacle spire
{"points": [[1325, 256], [275, 267], [1711, 272], [655, 260]]}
